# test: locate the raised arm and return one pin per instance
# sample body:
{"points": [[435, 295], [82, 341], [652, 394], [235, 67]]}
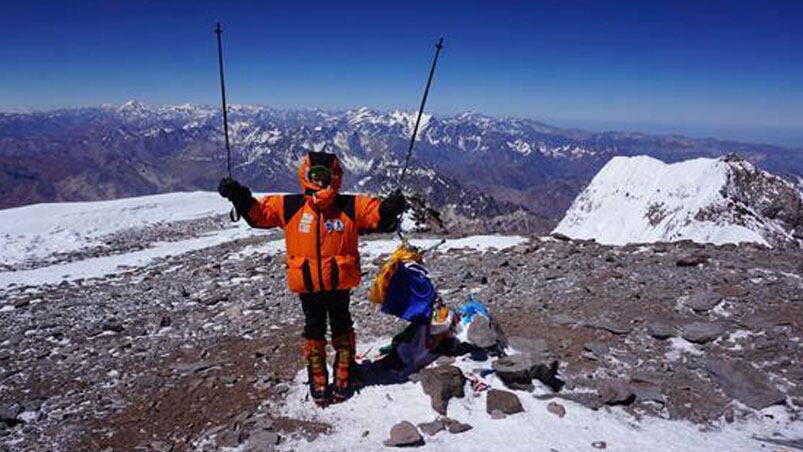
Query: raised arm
{"points": [[262, 213], [375, 215]]}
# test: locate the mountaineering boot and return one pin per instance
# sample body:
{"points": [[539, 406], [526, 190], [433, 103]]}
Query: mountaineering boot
{"points": [[315, 353], [345, 349]]}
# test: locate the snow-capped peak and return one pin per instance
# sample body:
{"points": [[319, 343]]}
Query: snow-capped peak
{"points": [[725, 200], [133, 107]]}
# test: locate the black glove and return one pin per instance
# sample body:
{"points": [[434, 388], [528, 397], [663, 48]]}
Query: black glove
{"points": [[238, 194], [389, 211]]}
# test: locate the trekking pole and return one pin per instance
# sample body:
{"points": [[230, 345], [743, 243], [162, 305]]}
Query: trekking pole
{"points": [[233, 214], [438, 48]]}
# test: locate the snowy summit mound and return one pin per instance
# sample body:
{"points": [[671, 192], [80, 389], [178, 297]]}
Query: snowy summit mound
{"points": [[727, 200]]}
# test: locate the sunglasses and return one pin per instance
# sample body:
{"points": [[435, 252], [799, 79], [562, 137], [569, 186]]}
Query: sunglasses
{"points": [[319, 173]]}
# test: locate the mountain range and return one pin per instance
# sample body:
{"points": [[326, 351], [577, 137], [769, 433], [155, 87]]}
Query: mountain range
{"points": [[481, 172]]}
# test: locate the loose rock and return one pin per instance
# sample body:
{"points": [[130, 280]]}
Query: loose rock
{"points": [[556, 409], [702, 332], [404, 434], [431, 428], [741, 381], [442, 383], [504, 401], [616, 393], [661, 330]]}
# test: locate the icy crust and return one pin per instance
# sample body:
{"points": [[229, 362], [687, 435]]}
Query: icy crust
{"points": [[38, 230], [364, 422], [641, 199]]}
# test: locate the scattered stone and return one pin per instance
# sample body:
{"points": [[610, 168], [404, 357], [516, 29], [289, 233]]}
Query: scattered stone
{"points": [[692, 260], [599, 445], [561, 237], [616, 392], [404, 434], [504, 401], [702, 301], [556, 409], [483, 332], [646, 391], [599, 349], [21, 303], [229, 438], [159, 446], [702, 332], [431, 428], [607, 325], [516, 371], [741, 381], [441, 383], [458, 427], [660, 330], [165, 321], [214, 299], [9, 413], [262, 440], [113, 325]]}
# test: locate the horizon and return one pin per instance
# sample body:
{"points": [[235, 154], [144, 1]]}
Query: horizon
{"points": [[743, 133], [732, 68]]}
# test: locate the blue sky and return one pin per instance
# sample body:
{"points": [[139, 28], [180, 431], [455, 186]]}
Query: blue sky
{"points": [[679, 65]]}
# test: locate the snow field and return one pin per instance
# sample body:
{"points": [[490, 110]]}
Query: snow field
{"points": [[377, 408]]}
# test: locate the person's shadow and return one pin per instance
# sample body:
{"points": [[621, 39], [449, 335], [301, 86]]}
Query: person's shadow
{"points": [[391, 368]]}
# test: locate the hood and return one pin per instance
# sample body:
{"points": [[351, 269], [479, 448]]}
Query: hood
{"points": [[320, 158], [322, 197]]}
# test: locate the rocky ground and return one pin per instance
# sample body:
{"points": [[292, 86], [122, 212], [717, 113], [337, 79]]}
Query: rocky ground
{"points": [[196, 351]]}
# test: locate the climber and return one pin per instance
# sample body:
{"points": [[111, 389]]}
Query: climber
{"points": [[323, 263]]}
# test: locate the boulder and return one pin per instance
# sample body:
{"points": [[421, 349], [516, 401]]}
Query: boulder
{"points": [[441, 383], [484, 332], [404, 434], [702, 332], [503, 401], [739, 380], [516, 371]]}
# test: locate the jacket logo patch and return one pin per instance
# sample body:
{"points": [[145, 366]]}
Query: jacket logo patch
{"points": [[334, 225], [305, 225]]}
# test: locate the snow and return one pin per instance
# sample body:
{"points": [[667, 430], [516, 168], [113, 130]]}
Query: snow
{"points": [[374, 248], [39, 230], [106, 265], [641, 199], [363, 422]]}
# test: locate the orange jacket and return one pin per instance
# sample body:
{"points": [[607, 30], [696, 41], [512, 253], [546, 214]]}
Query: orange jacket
{"points": [[320, 229]]}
